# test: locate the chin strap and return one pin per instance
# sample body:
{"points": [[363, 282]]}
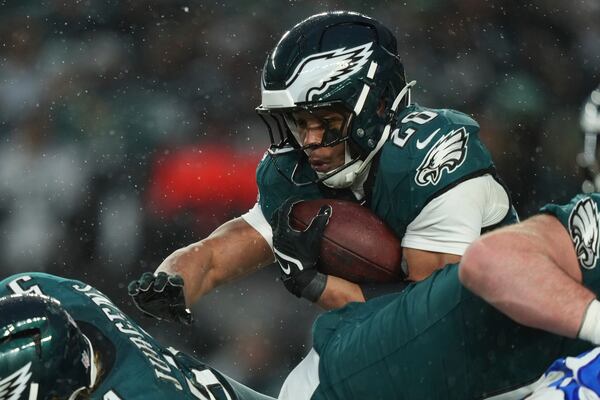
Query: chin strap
{"points": [[345, 179]]}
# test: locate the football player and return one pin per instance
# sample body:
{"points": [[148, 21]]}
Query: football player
{"points": [[62, 339], [342, 125]]}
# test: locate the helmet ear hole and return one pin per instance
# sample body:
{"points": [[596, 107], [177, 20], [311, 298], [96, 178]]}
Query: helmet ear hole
{"points": [[383, 106], [353, 149], [34, 333]]}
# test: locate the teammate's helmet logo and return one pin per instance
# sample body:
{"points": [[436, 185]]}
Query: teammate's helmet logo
{"points": [[449, 152], [583, 227], [318, 72], [15, 384]]}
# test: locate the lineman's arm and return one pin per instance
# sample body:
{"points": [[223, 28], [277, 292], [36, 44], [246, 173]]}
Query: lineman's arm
{"points": [[233, 250], [531, 273]]}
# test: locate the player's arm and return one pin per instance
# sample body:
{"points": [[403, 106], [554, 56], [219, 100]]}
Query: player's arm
{"points": [[339, 292], [234, 249], [531, 273]]}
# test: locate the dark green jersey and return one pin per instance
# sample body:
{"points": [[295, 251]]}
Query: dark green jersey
{"points": [[429, 152], [134, 365]]}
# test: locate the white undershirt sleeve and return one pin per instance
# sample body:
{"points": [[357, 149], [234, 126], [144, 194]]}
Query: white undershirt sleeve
{"points": [[451, 221], [302, 382], [256, 219]]}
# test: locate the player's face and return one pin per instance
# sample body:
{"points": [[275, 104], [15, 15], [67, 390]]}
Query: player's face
{"points": [[311, 128]]}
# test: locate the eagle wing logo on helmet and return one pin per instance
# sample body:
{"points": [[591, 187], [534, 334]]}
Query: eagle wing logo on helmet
{"points": [[316, 73], [449, 152], [15, 384], [583, 226]]}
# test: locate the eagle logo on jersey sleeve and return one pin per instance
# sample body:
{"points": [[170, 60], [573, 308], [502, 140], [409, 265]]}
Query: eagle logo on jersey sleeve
{"points": [[13, 386], [315, 74], [448, 153], [584, 230]]}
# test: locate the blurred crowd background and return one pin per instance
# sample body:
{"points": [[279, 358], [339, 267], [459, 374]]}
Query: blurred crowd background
{"points": [[127, 130]]}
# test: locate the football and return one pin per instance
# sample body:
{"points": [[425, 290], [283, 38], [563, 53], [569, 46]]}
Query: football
{"points": [[356, 246]]}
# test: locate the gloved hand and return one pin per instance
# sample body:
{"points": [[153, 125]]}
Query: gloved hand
{"points": [[160, 296], [297, 252]]}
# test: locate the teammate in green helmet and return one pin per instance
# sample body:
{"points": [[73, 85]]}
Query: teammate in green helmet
{"points": [[42, 352], [61, 339]]}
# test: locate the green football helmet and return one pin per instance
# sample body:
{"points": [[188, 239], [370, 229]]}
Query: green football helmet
{"points": [[588, 159], [43, 354], [340, 61]]}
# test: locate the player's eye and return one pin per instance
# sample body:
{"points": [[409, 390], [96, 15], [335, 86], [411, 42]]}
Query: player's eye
{"points": [[333, 122], [300, 123], [333, 119]]}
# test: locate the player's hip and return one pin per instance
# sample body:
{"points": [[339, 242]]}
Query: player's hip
{"points": [[434, 340]]}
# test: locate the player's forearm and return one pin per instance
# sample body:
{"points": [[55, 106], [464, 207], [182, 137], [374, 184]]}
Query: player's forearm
{"points": [[339, 292], [193, 264], [231, 251]]}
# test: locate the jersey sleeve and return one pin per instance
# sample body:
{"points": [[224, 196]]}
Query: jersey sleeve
{"points": [[451, 221], [301, 383], [256, 219]]}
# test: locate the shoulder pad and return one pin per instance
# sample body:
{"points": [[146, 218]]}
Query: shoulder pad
{"points": [[418, 129], [421, 120], [433, 149]]}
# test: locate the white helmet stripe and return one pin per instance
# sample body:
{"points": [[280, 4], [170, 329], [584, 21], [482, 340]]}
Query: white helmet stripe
{"points": [[361, 99], [372, 69], [33, 391], [365, 90]]}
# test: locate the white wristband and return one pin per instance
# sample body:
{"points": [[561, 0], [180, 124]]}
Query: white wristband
{"points": [[590, 327]]}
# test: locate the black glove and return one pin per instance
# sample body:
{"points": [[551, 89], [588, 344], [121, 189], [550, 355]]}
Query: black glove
{"points": [[160, 296], [297, 252]]}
